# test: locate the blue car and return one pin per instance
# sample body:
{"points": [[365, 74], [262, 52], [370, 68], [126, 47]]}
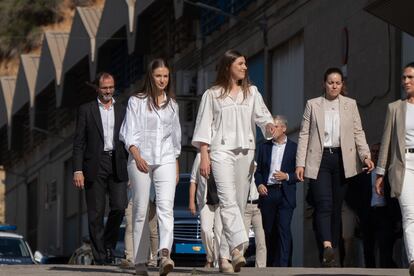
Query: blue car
{"points": [[188, 249]]}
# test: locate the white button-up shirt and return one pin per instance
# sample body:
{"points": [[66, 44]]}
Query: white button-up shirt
{"points": [[332, 124], [108, 124], [156, 133], [277, 157], [227, 123]]}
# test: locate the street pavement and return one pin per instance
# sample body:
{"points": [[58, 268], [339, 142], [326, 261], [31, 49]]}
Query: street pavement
{"points": [[72, 270]]}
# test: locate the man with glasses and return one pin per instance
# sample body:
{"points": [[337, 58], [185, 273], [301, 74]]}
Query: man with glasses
{"points": [[99, 167]]}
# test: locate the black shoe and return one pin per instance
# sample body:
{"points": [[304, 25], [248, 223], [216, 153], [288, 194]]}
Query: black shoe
{"points": [[99, 262], [328, 257], [109, 257]]}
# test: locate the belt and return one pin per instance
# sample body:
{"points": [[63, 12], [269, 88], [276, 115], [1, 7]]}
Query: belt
{"points": [[409, 150], [275, 186], [108, 152], [332, 150], [256, 201]]}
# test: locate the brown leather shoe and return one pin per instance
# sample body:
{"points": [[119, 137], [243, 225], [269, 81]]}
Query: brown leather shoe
{"points": [[225, 266], [166, 264]]}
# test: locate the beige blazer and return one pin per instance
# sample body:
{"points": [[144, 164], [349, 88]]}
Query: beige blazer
{"points": [[311, 137], [392, 153]]}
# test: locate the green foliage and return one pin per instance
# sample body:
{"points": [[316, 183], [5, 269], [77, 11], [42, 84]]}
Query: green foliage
{"points": [[20, 21]]}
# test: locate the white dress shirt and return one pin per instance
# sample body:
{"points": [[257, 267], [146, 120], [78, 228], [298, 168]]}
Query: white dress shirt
{"points": [[332, 124], [156, 133], [227, 123], [108, 124], [277, 157], [409, 126]]}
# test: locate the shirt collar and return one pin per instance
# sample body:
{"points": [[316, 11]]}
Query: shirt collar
{"points": [[281, 144], [101, 104]]}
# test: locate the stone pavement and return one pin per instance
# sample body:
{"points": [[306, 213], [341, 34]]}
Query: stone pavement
{"points": [[72, 270]]}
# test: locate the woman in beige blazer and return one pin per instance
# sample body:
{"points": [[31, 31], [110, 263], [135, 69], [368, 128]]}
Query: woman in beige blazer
{"points": [[331, 147], [396, 157]]}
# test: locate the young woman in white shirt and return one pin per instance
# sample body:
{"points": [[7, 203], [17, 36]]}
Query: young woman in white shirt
{"points": [[152, 134], [226, 124]]}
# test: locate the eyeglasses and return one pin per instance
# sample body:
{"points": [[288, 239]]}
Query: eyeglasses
{"points": [[107, 87]]}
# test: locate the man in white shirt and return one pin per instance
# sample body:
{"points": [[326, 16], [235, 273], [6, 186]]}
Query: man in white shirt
{"points": [[100, 167], [276, 184]]}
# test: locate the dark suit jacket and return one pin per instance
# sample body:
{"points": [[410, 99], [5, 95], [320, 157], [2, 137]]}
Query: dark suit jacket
{"points": [[264, 156], [88, 142]]}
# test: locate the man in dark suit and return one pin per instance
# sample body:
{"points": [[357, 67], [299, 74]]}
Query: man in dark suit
{"points": [[99, 167], [276, 183]]}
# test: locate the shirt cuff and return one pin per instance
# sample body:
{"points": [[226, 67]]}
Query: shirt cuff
{"points": [[379, 171], [78, 172], [287, 177]]}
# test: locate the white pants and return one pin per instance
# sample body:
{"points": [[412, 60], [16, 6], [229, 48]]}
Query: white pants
{"points": [[211, 230], [406, 200], [233, 171], [163, 178]]}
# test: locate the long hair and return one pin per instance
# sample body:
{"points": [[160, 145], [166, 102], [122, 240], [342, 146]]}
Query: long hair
{"points": [[223, 79], [335, 70], [149, 88]]}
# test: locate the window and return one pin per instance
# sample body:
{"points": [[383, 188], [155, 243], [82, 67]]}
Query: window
{"points": [[287, 81]]}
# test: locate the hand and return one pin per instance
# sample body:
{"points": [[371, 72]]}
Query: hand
{"points": [[192, 207], [262, 190], [177, 170], [79, 180], [142, 165], [300, 171], [369, 165], [379, 185], [271, 129], [280, 176], [205, 165]]}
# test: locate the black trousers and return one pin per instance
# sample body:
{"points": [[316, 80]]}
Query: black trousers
{"points": [[105, 237], [328, 192], [377, 232]]}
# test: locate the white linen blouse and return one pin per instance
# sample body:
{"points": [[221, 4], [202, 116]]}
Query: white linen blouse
{"points": [[227, 123], [156, 133]]}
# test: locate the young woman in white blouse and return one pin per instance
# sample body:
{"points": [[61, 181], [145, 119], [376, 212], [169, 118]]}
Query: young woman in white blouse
{"points": [[331, 147], [396, 158], [152, 134], [226, 124]]}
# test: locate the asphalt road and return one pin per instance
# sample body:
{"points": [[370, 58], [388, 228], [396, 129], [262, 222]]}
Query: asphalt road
{"points": [[71, 270]]}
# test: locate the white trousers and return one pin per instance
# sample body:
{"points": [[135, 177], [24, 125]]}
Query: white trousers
{"points": [[233, 171], [211, 230], [406, 200], [163, 179]]}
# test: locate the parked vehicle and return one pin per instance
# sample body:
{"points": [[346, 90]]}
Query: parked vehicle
{"points": [[187, 247], [14, 250]]}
